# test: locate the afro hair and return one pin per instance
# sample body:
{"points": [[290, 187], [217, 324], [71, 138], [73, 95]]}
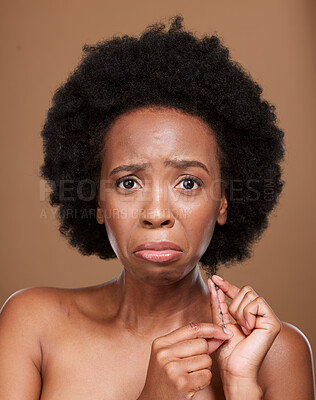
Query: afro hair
{"points": [[168, 67]]}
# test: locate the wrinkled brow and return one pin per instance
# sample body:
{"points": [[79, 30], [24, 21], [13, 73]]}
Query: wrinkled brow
{"points": [[172, 163]]}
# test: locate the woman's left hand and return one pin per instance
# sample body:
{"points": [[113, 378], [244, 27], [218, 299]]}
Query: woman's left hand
{"points": [[255, 327]]}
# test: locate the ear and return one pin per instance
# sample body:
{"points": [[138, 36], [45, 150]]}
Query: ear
{"points": [[222, 212], [100, 216]]}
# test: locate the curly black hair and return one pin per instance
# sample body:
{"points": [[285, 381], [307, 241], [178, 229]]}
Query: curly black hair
{"points": [[173, 68]]}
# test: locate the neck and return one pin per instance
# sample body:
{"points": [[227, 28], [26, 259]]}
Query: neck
{"points": [[150, 310]]}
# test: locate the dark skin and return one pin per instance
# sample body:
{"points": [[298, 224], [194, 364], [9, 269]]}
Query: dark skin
{"points": [[119, 340], [157, 208]]}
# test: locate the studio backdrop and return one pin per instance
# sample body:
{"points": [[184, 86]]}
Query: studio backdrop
{"points": [[41, 43]]}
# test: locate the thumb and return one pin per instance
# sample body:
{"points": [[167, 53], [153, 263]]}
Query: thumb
{"points": [[214, 344]]}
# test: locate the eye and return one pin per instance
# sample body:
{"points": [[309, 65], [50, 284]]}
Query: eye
{"points": [[190, 183], [127, 183]]}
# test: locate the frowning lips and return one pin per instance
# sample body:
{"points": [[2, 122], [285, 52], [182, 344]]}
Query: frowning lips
{"points": [[158, 252], [164, 245]]}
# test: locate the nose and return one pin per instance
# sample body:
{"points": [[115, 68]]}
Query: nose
{"points": [[156, 211]]}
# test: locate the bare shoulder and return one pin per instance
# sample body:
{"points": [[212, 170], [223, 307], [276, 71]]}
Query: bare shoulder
{"points": [[23, 318], [39, 309], [27, 303], [287, 370], [31, 309], [39, 306], [291, 342]]}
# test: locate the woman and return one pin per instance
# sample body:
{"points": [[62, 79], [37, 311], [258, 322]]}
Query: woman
{"points": [[158, 151]]}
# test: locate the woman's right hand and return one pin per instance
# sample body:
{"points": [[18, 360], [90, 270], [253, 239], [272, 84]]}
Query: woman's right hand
{"points": [[180, 362]]}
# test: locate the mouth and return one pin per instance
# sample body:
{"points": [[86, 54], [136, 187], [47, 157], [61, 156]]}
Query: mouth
{"points": [[158, 252]]}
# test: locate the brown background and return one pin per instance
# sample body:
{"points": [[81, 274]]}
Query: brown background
{"points": [[41, 43]]}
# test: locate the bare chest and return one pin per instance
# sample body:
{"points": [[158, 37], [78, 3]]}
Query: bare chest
{"points": [[101, 367]]}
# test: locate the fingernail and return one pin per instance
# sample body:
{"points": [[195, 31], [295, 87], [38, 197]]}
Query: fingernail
{"points": [[218, 277], [247, 325], [210, 282], [246, 331], [227, 331]]}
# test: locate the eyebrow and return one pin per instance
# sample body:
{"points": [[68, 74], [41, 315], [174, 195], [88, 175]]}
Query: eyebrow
{"points": [[180, 164]]}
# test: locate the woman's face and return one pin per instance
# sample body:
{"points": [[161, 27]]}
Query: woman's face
{"points": [[160, 181]]}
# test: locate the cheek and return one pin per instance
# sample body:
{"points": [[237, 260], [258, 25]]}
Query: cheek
{"points": [[119, 220], [199, 225]]}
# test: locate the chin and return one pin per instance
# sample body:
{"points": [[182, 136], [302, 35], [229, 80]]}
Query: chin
{"points": [[163, 275]]}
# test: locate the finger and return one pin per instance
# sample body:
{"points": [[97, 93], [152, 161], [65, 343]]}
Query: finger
{"points": [[198, 380], [244, 291], [192, 347], [219, 307], [229, 289], [228, 319], [267, 327], [247, 324], [214, 344], [194, 330], [259, 315], [189, 348], [196, 363]]}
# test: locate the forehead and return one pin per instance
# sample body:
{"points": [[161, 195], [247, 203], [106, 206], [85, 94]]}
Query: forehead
{"points": [[159, 134]]}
